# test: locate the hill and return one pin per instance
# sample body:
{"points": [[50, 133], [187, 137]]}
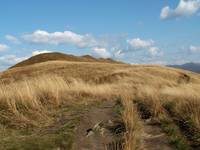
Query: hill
{"points": [[62, 57], [194, 67], [86, 104]]}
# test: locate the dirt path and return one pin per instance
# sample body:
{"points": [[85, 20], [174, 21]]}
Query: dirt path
{"points": [[154, 138], [99, 128]]}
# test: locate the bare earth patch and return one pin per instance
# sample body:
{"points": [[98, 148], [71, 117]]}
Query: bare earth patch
{"points": [[154, 138], [99, 129]]}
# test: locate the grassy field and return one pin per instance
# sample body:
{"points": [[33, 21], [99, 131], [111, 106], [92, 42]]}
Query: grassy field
{"points": [[46, 99]]}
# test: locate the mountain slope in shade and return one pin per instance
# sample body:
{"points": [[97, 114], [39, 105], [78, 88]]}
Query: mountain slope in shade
{"points": [[62, 57], [194, 67]]}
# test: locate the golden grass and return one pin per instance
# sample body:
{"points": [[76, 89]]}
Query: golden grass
{"points": [[32, 94], [37, 95], [72, 82], [37, 92], [132, 122], [186, 100]]}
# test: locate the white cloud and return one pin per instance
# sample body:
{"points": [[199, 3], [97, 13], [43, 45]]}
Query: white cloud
{"points": [[119, 54], [194, 49], [102, 52], [12, 39], [3, 47], [184, 8], [10, 59], [56, 38], [37, 52], [140, 44], [155, 51]]}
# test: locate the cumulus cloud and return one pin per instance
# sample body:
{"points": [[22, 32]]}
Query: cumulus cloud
{"points": [[142, 45], [37, 52], [102, 52], [56, 38], [155, 51], [137, 43], [3, 47], [194, 49], [12, 39], [184, 8], [8, 60]]}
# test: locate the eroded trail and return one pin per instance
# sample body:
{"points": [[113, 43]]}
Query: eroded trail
{"points": [[153, 137], [100, 128]]}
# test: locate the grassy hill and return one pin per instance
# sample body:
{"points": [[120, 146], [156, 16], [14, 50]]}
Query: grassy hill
{"points": [[62, 57], [57, 101]]}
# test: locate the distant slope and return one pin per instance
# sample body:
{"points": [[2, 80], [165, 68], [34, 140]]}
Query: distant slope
{"points": [[194, 67], [60, 56]]}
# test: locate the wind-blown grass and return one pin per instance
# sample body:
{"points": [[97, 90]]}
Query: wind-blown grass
{"points": [[27, 100]]}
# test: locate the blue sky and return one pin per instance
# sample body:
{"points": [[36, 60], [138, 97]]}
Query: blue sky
{"points": [[134, 31]]}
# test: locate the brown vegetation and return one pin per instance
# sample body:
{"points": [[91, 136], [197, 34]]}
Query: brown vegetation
{"points": [[28, 94], [62, 57]]}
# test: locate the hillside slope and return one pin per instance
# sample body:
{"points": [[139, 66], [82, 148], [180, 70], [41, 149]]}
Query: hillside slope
{"points": [[62, 57], [73, 104]]}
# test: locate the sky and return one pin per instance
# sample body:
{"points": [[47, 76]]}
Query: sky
{"points": [[134, 31]]}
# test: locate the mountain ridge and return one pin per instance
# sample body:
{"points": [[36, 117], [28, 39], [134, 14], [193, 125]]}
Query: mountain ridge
{"points": [[191, 66], [57, 56]]}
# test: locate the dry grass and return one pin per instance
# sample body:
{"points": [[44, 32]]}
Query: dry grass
{"points": [[41, 93], [132, 122], [32, 94], [157, 87], [185, 100]]}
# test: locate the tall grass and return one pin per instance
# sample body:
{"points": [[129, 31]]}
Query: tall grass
{"points": [[157, 87], [132, 122], [183, 99], [32, 94], [24, 99]]}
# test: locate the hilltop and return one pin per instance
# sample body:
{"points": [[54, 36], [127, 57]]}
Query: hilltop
{"points": [[57, 101], [56, 56]]}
